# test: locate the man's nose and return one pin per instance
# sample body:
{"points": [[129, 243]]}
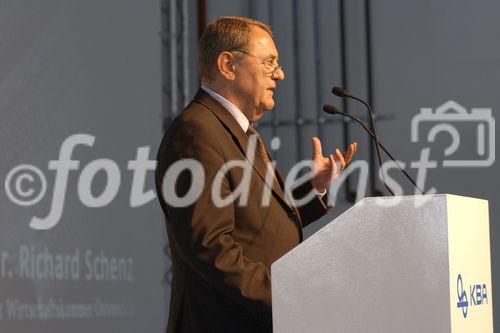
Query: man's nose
{"points": [[279, 74]]}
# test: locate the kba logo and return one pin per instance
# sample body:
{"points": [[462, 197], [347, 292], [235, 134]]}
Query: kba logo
{"points": [[478, 294]]}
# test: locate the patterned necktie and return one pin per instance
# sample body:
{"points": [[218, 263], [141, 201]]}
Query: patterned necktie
{"points": [[260, 151], [262, 156]]}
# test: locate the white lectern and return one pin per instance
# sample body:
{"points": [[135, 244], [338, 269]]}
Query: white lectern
{"points": [[401, 264]]}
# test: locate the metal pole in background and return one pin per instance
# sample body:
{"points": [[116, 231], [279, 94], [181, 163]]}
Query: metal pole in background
{"points": [[274, 119], [172, 35], [175, 58], [320, 119], [185, 54], [202, 17], [369, 80], [350, 195], [298, 113]]}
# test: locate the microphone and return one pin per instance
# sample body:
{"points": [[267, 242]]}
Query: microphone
{"points": [[338, 91], [331, 109]]}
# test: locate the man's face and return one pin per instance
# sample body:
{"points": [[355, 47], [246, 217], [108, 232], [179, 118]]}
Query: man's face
{"points": [[254, 82]]}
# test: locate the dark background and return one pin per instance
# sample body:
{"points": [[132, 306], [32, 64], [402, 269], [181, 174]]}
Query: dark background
{"points": [[121, 70]]}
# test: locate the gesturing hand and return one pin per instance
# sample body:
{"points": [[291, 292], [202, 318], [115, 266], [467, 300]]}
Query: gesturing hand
{"points": [[328, 168]]}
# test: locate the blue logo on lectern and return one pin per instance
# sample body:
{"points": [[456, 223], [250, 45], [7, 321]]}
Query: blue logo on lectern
{"points": [[462, 296], [478, 294]]}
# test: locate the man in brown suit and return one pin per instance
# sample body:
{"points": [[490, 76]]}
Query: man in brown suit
{"points": [[240, 221]]}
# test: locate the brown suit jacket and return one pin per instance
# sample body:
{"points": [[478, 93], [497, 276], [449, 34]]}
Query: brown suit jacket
{"points": [[221, 256]]}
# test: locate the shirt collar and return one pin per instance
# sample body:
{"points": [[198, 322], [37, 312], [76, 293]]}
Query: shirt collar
{"points": [[233, 109]]}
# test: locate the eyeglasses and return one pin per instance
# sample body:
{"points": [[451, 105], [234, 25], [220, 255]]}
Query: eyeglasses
{"points": [[271, 69]]}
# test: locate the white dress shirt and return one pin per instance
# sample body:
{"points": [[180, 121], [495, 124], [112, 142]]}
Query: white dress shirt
{"points": [[233, 109]]}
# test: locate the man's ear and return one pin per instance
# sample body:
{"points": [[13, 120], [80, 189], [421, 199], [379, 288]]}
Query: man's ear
{"points": [[225, 65]]}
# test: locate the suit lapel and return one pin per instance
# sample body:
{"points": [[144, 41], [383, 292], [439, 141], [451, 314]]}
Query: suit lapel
{"points": [[242, 141]]}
